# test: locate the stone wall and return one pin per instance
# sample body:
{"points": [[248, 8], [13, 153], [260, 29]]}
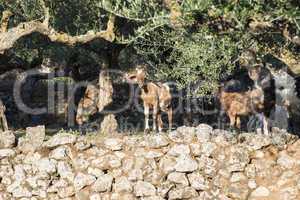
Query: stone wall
{"points": [[189, 163]]}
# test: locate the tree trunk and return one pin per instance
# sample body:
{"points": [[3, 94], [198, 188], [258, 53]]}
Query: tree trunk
{"points": [[3, 121]]}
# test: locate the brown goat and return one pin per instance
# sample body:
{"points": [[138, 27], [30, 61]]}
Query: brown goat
{"points": [[155, 96], [237, 104]]}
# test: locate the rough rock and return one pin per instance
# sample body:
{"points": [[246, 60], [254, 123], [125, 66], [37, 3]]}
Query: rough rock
{"points": [[81, 180], [113, 144], [135, 174], [142, 189], [237, 191], [6, 153], [103, 183], [185, 163], [60, 153], [183, 134], [46, 165], [109, 125], [203, 132], [157, 141], [178, 178], [65, 171], [179, 149], [198, 181], [33, 140], [286, 161], [189, 163], [182, 193], [260, 192], [60, 139], [7, 139], [122, 184]]}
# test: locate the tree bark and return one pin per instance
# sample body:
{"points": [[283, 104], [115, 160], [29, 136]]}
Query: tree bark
{"points": [[3, 121], [8, 37]]}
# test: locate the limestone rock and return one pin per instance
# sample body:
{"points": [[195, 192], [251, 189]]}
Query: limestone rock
{"points": [[197, 181], [255, 141], [95, 172], [167, 164], [178, 178], [6, 153], [81, 180], [203, 132], [142, 189], [20, 192], [157, 141], [183, 134], [182, 193], [285, 160], [237, 191], [33, 140], [260, 192], [152, 198], [122, 184], [185, 163], [46, 165], [155, 177], [179, 149], [109, 125], [108, 161], [238, 159], [65, 171], [60, 153], [208, 148], [103, 183], [113, 144], [65, 192], [60, 139], [7, 139], [82, 145], [135, 174]]}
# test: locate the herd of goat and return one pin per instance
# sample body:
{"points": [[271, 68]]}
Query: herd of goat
{"points": [[270, 92]]}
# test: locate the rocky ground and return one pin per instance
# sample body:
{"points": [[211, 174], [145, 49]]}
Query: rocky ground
{"points": [[189, 163]]}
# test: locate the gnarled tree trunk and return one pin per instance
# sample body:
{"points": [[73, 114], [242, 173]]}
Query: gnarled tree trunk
{"points": [[8, 36]]}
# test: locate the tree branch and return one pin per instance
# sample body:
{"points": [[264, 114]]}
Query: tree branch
{"points": [[4, 21], [288, 36], [175, 12], [10, 36], [46, 13]]}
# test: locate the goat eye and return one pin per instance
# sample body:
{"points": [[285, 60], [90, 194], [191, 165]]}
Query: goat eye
{"points": [[281, 88]]}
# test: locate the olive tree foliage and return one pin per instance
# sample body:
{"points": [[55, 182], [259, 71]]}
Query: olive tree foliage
{"points": [[213, 37], [191, 42]]}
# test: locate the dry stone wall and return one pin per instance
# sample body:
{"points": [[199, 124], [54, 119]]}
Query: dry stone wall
{"points": [[190, 163]]}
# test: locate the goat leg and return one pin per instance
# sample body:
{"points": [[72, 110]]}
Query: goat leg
{"points": [[154, 116], [265, 125], [146, 113], [170, 118], [159, 122]]}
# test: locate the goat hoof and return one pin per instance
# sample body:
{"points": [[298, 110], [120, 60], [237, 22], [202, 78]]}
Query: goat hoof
{"points": [[147, 131]]}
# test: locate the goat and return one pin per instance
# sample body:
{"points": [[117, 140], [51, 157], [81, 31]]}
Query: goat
{"points": [[154, 95], [263, 78], [237, 104]]}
